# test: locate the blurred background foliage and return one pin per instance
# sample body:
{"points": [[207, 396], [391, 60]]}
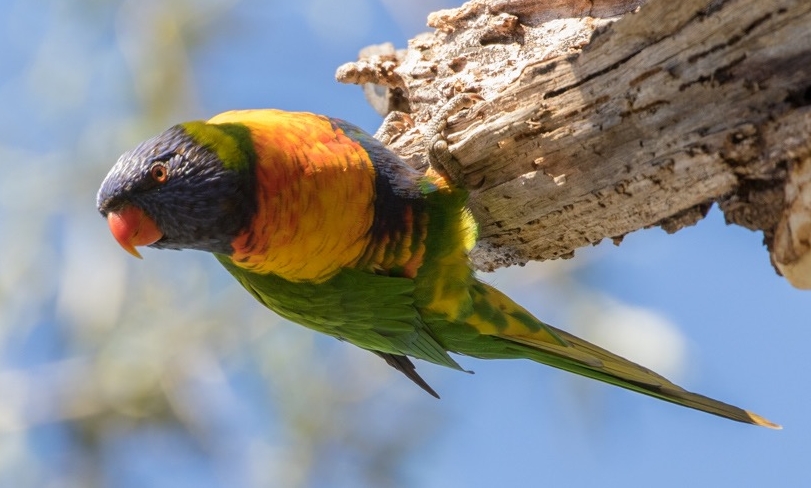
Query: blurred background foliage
{"points": [[164, 373], [116, 374]]}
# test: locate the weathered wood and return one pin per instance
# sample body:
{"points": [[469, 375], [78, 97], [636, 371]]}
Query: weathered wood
{"points": [[602, 118]]}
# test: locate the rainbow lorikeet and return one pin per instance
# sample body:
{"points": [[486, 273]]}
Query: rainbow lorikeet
{"points": [[326, 227]]}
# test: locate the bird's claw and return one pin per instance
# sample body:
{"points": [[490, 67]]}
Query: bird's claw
{"points": [[439, 155], [394, 125]]}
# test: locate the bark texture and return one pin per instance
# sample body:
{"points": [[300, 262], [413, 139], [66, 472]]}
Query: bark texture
{"points": [[600, 118]]}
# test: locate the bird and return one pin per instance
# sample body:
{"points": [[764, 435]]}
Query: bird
{"points": [[328, 228]]}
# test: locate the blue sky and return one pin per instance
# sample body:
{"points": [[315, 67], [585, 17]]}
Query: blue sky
{"points": [[742, 330]]}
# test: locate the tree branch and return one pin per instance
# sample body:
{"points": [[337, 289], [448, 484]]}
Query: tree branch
{"points": [[605, 117]]}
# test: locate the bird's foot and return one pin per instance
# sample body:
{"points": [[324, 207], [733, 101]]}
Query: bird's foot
{"points": [[394, 125], [439, 155]]}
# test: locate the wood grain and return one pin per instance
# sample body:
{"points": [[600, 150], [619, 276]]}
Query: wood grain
{"points": [[603, 120]]}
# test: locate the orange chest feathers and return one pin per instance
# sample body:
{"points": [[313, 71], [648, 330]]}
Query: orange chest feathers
{"points": [[315, 197]]}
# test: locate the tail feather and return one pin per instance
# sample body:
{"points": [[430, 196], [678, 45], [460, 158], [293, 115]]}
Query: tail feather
{"points": [[582, 357], [520, 335]]}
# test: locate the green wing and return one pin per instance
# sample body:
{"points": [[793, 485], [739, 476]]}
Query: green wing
{"points": [[374, 312]]}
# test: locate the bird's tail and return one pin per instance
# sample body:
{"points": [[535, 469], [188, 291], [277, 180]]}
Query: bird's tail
{"points": [[522, 335]]}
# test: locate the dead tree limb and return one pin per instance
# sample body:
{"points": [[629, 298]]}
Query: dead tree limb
{"points": [[604, 117]]}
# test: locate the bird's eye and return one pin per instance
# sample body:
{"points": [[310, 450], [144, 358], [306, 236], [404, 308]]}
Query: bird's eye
{"points": [[159, 172]]}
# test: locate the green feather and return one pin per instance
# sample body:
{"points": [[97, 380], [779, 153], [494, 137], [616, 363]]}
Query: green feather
{"points": [[371, 311], [231, 142]]}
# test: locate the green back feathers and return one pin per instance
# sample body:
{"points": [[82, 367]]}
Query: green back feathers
{"points": [[231, 142], [374, 312], [451, 235]]}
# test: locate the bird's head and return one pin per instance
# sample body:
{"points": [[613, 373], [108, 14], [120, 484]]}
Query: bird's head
{"points": [[191, 187]]}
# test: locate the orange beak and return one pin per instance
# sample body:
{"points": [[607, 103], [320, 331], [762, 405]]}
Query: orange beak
{"points": [[131, 227]]}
